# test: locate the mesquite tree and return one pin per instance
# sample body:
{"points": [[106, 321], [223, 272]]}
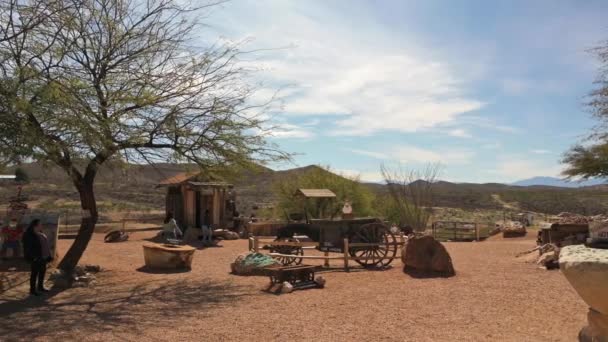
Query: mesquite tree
{"points": [[411, 194], [85, 81], [591, 160]]}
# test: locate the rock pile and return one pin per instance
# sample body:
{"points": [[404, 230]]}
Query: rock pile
{"points": [[82, 276], [513, 229], [225, 234], [571, 218], [425, 256], [252, 263], [547, 256]]}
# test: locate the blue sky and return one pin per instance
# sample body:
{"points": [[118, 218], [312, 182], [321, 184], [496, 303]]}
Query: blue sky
{"points": [[494, 90]]}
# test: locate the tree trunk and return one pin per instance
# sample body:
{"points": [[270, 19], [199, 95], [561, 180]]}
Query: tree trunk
{"points": [[87, 225]]}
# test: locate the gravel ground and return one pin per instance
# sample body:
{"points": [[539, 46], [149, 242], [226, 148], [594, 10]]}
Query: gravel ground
{"points": [[493, 297]]}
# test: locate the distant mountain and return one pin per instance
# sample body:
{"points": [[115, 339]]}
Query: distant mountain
{"points": [[132, 187], [552, 181]]}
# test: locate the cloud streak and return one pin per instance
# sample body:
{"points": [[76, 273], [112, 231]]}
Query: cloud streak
{"points": [[358, 77]]}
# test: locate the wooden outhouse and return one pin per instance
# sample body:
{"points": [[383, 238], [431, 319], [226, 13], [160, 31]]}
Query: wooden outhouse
{"points": [[197, 200]]}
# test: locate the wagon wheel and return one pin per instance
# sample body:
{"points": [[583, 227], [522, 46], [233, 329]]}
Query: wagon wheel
{"points": [[381, 255], [293, 250]]}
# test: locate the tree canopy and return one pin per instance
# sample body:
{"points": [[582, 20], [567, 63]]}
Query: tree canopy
{"points": [[84, 81], [323, 178], [591, 159]]}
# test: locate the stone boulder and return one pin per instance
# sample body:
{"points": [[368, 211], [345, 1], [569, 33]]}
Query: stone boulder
{"points": [[550, 259], [252, 264], [587, 271], [424, 256], [225, 234]]}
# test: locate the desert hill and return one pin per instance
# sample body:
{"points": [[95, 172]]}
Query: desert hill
{"points": [[132, 187]]}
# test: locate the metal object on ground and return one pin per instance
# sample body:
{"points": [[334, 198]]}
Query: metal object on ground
{"points": [[116, 236], [300, 277]]}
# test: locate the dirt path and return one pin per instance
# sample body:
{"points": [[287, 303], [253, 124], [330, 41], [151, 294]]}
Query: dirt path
{"points": [[506, 205], [493, 297]]}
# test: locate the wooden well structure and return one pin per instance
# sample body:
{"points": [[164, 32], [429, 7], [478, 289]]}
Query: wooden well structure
{"points": [[198, 200]]}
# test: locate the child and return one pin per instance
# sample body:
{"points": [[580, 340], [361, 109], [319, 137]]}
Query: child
{"points": [[12, 234]]}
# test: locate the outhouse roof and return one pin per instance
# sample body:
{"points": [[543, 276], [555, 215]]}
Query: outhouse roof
{"points": [[210, 184], [316, 193], [178, 178]]}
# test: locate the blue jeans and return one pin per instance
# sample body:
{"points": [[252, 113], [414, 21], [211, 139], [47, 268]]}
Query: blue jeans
{"points": [[14, 245]]}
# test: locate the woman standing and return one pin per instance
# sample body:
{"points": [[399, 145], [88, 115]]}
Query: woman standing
{"points": [[37, 252]]}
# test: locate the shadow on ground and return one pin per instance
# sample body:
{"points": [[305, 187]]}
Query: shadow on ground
{"points": [[152, 270], [418, 274], [124, 306]]}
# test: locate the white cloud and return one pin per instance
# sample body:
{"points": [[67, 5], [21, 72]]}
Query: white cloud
{"points": [[514, 168], [459, 133], [377, 155], [364, 176], [285, 130], [540, 151], [356, 74], [491, 146], [414, 154]]}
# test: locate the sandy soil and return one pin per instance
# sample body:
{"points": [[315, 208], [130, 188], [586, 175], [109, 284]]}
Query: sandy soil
{"points": [[493, 297]]}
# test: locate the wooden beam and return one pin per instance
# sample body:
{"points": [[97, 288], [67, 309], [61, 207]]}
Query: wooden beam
{"points": [[293, 243], [346, 256]]}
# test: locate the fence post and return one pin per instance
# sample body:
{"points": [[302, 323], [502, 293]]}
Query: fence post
{"points": [[326, 264], [346, 255], [255, 244]]}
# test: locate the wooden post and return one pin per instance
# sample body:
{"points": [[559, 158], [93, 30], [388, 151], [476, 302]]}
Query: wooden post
{"points": [[326, 260], [346, 255], [255, 244]]}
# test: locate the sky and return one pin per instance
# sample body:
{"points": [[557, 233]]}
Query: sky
{"points": [[492, 90]]}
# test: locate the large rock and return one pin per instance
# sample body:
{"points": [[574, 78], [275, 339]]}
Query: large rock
{"points": [[587, 271], [168, 256], [252, 263], [425, 256]]}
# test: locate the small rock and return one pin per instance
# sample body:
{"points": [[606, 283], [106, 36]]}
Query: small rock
{"points": [[79, 270], [92, 268], [320, 281], [56, 274], [286, 288]]}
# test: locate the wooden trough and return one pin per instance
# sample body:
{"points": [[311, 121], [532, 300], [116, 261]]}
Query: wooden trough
{"points": [[166, 256]]}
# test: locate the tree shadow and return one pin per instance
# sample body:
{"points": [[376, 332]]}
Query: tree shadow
{"points": [[13, 273], [152, 270], [117, 307], [199, 245]]}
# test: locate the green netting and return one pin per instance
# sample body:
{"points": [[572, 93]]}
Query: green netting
{"points": [[258, 260]]}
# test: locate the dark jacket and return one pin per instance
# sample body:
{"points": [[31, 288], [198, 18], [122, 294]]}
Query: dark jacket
{"points": [[32, 249]]}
